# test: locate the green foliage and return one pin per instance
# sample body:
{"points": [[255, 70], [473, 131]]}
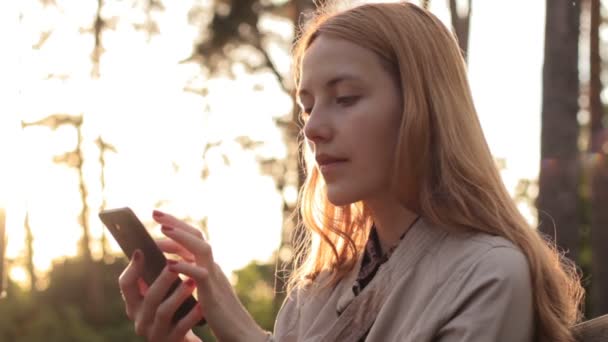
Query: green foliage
{"points": [[59, 313], [32, 318], [255, 289], [25, 320]]}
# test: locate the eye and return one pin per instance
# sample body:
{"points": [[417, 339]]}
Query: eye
{"points": [[347, 100]]}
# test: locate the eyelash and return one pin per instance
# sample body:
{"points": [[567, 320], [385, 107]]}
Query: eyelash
{"points": [[346, 100], [342, 100]]}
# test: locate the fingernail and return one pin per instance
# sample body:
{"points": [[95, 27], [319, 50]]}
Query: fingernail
{"points": [[157, 213], [190, 282], [166, 228], [171, 262], [136, 255]]}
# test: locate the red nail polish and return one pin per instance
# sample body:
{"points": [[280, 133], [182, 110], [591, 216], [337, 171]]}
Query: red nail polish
{"points": [[166, 228], [190, 282], [171, 262], [157, 213]]}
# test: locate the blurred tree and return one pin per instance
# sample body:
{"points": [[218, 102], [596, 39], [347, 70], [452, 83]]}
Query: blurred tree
{"points": [[104, 147], [150, 26], [3, 270], [460, 12], [74, 159], [598, 148], [98, 27], [57, 312], [557, 201], [95, 291], [233, 36], [255, 289], [29, 253]]}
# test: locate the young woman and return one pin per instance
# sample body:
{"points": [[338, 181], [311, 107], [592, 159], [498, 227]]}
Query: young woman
{"points": [[411, 233]]}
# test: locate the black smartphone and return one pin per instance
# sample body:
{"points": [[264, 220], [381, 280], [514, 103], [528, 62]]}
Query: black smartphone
{"points": [[131, 235]]}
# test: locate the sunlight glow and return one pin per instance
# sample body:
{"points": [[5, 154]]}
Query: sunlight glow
{"points": [[19, 275], [161, 131]]}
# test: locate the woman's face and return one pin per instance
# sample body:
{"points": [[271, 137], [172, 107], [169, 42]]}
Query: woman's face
{"points": [[352, 115]]}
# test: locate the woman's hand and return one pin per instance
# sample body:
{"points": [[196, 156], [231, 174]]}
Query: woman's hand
{"points": [[145, 305], [220, 306]]}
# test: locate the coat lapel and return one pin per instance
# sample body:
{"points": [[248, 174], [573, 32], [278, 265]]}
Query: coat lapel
{"points": [[360, 312]]}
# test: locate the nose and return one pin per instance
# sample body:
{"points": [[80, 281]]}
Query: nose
{"points": [[318, 127]]}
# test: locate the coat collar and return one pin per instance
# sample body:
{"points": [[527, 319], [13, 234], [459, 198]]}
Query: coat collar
{"points": [[359, 312]]}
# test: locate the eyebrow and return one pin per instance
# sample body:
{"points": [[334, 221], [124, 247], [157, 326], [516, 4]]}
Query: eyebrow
{"points": [[331, 83]]}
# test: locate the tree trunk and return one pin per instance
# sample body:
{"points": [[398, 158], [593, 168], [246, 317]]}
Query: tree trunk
{"points": [[93, 279], [461, 25], [3, 270], [103, 147], [557, 201], [29, 245], [98, 26], [599, 172]]}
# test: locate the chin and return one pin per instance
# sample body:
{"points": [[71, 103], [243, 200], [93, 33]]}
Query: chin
{"points": [[338, 197]]}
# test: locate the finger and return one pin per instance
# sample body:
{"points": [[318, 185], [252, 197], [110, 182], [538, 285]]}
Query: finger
{"points": [[143, 287], [155, 295], [169, 220], [192, 337], [170, 246], [198, 247], [165, 312], [199, 274], [182, 328], [128, 283]]}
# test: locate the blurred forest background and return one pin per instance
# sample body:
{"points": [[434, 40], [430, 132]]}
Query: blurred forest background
{"points": [[188, 106]]}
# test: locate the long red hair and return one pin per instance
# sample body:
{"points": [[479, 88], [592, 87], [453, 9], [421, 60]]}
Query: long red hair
{"points": [[443, 167]]}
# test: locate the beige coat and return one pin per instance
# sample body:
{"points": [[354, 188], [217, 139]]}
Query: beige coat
{"points": [[437, 286]]}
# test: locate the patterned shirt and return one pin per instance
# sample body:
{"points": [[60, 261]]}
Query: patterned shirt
{"points": [[373, 258]]}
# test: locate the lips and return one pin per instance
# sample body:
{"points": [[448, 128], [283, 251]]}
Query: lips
{"points": [[327, 159]]}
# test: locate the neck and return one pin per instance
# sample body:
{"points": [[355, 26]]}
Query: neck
{"points": [[392, 220]]}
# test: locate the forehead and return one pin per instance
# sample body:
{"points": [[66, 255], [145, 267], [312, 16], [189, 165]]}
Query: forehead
{"points": [[328, 56]]}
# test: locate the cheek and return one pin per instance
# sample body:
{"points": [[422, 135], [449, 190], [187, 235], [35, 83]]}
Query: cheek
{"points": [[381, 131], [373, 128], [381, 136], [377, 157]]}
